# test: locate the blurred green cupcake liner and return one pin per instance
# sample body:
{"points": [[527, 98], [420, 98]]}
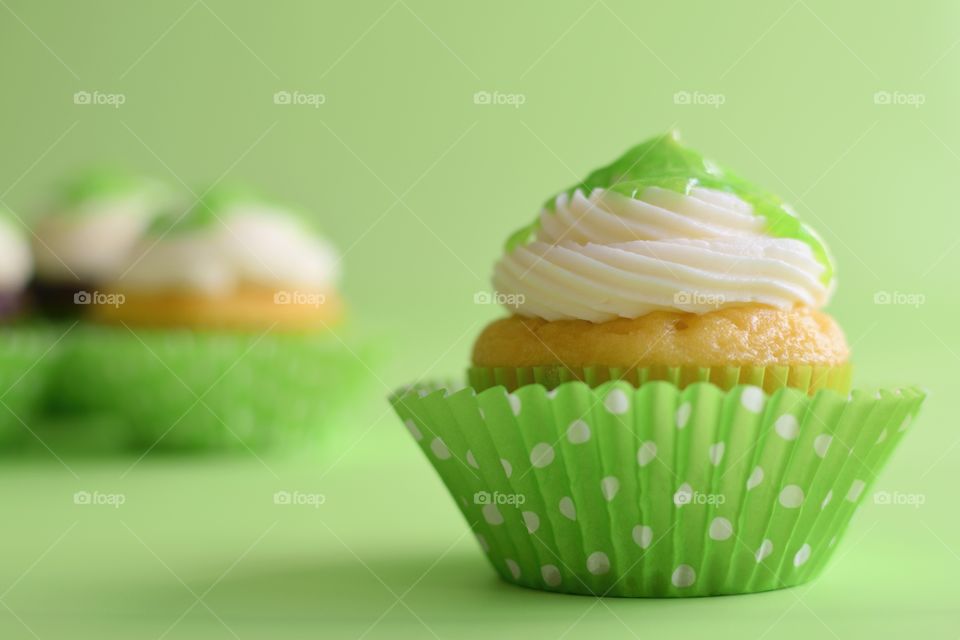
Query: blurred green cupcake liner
{"points": [[28, 354], [187, 390], [811, 378], [657, 491]]}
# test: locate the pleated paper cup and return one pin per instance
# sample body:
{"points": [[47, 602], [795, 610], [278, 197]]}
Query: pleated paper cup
{"points": [[187, 390], [810, 378], [657, 491], [28, 353]]}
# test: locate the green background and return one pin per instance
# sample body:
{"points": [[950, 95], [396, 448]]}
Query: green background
{"points": [[420, 186]]}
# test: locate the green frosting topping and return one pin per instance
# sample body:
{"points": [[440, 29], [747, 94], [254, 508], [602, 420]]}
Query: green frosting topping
{"points": [[665, 163], [100, 184], [216, 206]]}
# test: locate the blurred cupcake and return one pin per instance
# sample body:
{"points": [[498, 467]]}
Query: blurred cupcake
{"points": [[85, 234], [666, 413], [16, 266], [25, 356], [218, 332], [233, 261]]}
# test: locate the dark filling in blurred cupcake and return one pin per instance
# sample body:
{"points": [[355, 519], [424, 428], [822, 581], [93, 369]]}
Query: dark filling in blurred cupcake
{"points": [[84, 236]]}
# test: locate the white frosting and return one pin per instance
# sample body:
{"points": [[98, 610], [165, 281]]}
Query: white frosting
{"points": [[16, 263], [91, 244], [606, 256], [252, 246]]}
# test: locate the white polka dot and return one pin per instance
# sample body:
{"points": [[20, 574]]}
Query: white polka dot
{"points": [[766, 548], [507, 467], [483, 543], [578, 432], [683, 415], [414, 431], [756, 477], [491, 514], [721, 529], [684, 495], [906, 423], [598, 563], [752, 399], [552, 394], [515, 405], [802, 556], [472, 461], [683, 576], [787, 426], [791, 496], [541, 455], [646, 453], [855, 490], [531, 520], [551, 575], [617, 402], [827, 499], [643, 536], [833, 541], [821, 444], [439, 448], [716, 453], [567, 508], [609, 487], [514, 568], [882, 437]]}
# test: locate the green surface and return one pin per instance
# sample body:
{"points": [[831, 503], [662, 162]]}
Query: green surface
{"points": [[419, 184]]}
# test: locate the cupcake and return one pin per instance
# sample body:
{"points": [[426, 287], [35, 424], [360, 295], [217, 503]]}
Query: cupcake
{"points": [[666, 410], [24, 350], [85, 234], [217, 332]]}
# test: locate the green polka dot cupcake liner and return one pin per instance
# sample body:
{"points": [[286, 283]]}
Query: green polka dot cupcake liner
{"points": [[183, 390], [28, 353], [657, 491]]}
